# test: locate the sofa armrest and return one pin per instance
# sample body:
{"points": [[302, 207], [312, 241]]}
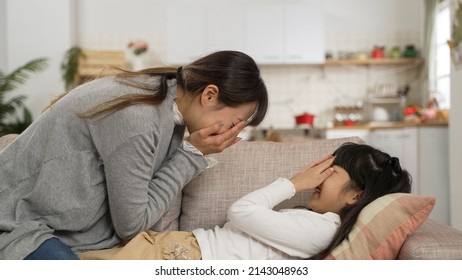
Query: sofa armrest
{"points": [[6, 139], [432, 241]]}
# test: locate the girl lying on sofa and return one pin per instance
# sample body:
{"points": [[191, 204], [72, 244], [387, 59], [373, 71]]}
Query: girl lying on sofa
{"points": [[343, 184]]}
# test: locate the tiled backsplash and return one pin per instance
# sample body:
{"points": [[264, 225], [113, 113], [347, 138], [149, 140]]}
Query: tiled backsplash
{"points": [[315, 89]]}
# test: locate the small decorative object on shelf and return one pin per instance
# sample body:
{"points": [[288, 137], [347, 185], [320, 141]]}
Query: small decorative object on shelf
{"points": [[378, 52], [410, 52], [138, 47], [137, 54], [395, 52]]}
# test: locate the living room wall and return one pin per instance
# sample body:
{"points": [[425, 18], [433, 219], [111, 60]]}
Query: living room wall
{"points": [[455, 149], [2, 34], [36, 29]]}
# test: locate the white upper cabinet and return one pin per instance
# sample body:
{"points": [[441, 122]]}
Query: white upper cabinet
{"points": [[272, 33], [304, 34], [186, 34], [265, 31], [286, 33], [225, 28]]}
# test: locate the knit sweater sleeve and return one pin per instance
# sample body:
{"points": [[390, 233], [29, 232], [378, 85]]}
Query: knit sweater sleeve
{"points": [[137, 198], [299, 233]]}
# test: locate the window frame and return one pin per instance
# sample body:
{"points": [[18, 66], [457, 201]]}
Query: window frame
{"points": [[440, 79]]}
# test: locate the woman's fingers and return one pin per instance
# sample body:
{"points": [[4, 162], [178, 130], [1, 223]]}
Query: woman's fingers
{"points": [[208, 140]]}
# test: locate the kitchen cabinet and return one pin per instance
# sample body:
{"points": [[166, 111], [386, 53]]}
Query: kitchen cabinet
{"points": [[403, 144], [225, 26], [304, 37], [272, 33], [350, 132], [292, 33], [434, 169], [186, 34], [265, 33]]}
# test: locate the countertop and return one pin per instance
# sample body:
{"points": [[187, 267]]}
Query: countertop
{"points": [[308, 133], [384, 125]]}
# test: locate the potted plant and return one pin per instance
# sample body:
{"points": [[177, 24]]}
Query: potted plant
{"points": [[9, 120], [70, 65]]}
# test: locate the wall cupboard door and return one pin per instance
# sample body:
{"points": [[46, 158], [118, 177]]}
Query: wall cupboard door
{"points": [[286, 33], [304, 34], [265, 33], [186, 34], [272, 33], [225, 28]]}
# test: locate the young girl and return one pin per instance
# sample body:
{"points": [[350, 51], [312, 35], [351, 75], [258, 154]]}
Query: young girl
{"points": [[106, 161], [344, 183]]}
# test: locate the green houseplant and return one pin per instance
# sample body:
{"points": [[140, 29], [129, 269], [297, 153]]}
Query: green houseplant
{"points": [[70, 65], [9, 107]]}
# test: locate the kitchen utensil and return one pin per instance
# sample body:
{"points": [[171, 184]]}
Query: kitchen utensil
{"points": [[304, 118], [378, 52]]}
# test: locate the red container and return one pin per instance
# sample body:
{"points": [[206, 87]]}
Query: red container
{"points": [[304, 118], [378, 52]]}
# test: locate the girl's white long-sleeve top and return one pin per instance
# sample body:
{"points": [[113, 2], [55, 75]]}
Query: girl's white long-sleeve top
{"points": [[255, 231]]}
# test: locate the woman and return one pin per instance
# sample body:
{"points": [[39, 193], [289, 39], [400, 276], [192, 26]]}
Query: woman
{"points": [[343, 185], [106, 161]]}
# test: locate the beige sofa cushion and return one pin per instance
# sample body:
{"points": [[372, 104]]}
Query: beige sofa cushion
{"points": [[242, 168], [6, 139], [434, 241]]}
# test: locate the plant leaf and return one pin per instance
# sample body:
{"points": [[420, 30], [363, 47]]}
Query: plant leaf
{"points": [[70, 65], [21, 74]]}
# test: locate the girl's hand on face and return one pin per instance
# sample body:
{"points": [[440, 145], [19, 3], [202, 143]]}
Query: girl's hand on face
{"points": [[313, 174], [208, 141]]}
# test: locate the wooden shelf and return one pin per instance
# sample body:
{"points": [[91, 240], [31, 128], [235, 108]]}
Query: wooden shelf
{"points": [[99, 63], [375, 61]]}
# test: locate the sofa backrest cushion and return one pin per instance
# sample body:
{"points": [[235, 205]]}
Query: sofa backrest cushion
{"points": [[242, 168], [6, 139]]}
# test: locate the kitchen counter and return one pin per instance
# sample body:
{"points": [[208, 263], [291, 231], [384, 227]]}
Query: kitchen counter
{"points": [[384, 125], [309, 133]]}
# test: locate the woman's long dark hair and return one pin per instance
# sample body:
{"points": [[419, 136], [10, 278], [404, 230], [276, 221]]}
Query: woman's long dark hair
{"points": [[236, 75], [371, 171]]}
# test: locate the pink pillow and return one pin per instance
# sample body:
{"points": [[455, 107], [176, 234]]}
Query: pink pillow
{"points": [[383, 226]]}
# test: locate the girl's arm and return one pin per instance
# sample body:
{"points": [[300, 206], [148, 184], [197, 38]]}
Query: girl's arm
{"points": [[296, 233]]}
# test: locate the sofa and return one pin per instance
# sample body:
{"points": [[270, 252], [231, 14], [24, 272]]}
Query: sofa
{"points": [[249, 165]]}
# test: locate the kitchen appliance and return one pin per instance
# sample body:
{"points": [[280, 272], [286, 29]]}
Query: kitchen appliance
{"points": [[386, 109]]}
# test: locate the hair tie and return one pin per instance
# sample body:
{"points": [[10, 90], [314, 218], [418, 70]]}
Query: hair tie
{"points": [[179, 75], [394, 162]]}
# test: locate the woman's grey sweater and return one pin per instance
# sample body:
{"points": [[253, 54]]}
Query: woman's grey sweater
{"points": [[92, 182]]}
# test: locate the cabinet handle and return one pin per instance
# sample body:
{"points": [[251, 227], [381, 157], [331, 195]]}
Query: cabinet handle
{"points": [[272, 57], [295, 56]]}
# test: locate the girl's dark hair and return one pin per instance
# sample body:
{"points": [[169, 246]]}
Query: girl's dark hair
{"points": [[236, 75], [373, 172]]}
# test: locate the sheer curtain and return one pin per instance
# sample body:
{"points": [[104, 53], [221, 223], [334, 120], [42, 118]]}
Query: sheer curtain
{"points": [[428, 54]]}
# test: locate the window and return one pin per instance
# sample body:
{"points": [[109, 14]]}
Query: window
{"points": [[441, 65]]}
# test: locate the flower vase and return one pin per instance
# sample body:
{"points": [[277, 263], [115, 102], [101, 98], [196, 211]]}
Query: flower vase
{"points": [[138, 62]]}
